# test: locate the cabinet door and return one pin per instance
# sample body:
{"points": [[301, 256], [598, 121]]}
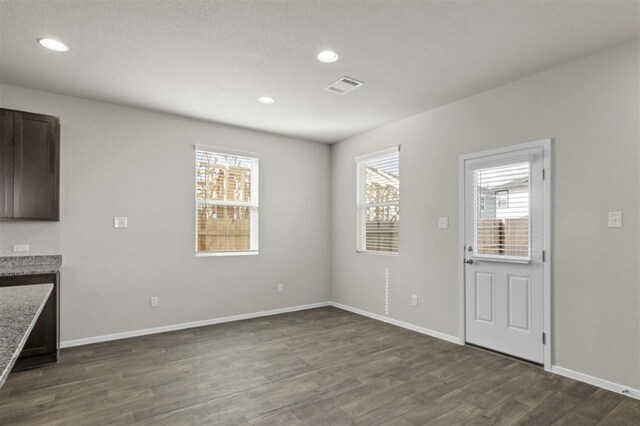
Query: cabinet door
{"points": [[36, 146], [6, 163], [43, 338]]}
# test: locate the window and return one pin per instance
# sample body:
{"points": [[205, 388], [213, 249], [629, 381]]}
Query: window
{"points": [[378, 201], [501, 212], [502, 198], [226, 202]]}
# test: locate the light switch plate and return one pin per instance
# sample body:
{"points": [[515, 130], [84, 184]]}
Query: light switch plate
{"points": [[443, 222], [20, 247], [615, 219], [119, 222]]}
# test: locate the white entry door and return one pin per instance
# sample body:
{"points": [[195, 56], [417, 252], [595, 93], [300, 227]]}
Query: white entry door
{"points": [[504, 240]]}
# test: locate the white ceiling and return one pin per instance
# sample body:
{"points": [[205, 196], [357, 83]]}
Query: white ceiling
{"points": [[212, 59]]}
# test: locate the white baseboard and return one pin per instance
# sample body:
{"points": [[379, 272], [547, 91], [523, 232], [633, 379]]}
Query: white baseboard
{"points": [[437, 334], [605, 384], [601, 383], [173, 327]]}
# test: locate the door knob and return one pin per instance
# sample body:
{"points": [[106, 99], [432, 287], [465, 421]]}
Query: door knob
{"points": [[468, 261]]}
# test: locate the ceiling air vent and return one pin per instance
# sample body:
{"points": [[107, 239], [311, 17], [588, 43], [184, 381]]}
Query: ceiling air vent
{"points": [[343, 85]]}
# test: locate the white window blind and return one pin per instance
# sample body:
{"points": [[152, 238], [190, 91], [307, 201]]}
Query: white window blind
{"points": [[378, 201], [226, 202], [502, 211]]}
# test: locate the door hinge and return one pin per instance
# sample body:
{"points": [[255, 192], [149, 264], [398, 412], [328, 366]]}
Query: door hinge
{"points": [[544, 174], [544, 338], [544, 255]]}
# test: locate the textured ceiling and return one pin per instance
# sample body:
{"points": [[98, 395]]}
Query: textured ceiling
{"points": [[212, 59]]}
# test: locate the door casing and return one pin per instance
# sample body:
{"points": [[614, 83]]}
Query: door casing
{"points": [[545, 144]]}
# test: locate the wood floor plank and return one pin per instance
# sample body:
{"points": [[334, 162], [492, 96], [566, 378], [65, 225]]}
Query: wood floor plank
{"points": [[318, 367], [598, 405], [572, 418], [627, 413]]}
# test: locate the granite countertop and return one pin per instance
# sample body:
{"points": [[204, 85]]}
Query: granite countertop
{"points": [[20, 307], [29, 265]]}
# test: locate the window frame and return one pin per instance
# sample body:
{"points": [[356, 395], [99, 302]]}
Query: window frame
{"points": [[361, 200], [253, 204], [508, 161]]}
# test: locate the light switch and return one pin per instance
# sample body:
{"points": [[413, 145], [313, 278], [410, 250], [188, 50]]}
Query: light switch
{"points": [[119, 222], [443, 222], [615, 219]]}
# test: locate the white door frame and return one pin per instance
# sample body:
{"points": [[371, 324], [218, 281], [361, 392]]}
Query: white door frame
{"points": [[545, 144]]}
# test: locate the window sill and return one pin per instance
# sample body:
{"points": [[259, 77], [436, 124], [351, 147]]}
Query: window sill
{"points": [[378, 253], [226, 253]]}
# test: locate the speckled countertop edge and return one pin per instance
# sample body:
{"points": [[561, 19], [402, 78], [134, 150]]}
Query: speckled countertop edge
{"points": [[29, 265], [41, 294]]}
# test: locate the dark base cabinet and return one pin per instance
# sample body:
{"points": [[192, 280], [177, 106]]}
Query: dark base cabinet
{"points": [[44, 341]]}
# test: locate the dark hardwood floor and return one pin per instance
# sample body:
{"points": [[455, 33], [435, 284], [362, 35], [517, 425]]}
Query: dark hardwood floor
{"points": [[318, 367]]}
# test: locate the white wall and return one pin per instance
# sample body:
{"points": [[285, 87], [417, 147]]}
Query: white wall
{"points": [[118, 161], [590, 108]]}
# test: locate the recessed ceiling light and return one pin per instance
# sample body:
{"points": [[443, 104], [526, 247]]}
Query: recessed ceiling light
{"points": [[327, 56], [52, 44], [266, 100]]}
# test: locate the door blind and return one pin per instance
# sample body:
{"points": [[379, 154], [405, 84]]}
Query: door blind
{"points": [[378, 202], [502, 211]]}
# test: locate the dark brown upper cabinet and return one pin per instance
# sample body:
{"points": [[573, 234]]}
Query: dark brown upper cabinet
{"points": [[29, 166]]}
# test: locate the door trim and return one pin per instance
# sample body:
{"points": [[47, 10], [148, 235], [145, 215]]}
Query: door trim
{"points": [[545, 144]]}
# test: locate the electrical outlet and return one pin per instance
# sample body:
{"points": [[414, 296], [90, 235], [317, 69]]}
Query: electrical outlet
{"points": [[414, 300], [280, 287], [443, 222], [615, 219], [119, 222], [154, 301], [20, 247]]}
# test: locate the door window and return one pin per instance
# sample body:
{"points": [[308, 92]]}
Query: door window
{"points": [[502, 212]]}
